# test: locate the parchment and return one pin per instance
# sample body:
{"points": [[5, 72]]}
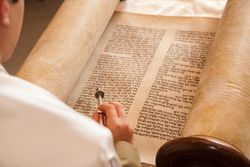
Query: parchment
{"points": [[130, 60], [59, 57], [153, 66], [221, 108]]}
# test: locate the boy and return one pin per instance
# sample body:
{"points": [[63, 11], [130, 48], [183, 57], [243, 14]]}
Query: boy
{"points": [[37, 129]]}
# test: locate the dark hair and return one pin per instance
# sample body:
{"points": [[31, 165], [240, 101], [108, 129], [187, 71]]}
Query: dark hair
{"points": [[15, 1]]}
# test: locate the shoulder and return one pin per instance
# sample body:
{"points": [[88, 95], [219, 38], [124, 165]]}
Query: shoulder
{"points": [[27, 100], [35, 126]]}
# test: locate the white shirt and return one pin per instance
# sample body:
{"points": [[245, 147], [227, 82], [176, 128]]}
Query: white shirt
{"points": [[38, 130]]}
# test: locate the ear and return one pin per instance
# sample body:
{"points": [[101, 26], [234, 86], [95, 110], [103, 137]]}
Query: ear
{"points": [[4, 13]]}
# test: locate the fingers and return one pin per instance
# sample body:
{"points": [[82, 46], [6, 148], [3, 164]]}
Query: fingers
{"points": [[119, 109], [112, 109], [116, 121], [96, 117], [108, 109]]}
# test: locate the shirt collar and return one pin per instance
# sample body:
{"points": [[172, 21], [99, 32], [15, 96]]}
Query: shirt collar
{"points": [[2, 69]]}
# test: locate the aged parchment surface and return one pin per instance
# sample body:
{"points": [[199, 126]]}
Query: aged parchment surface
{"points": [[152, 65], [222, 104], [58, 58]]}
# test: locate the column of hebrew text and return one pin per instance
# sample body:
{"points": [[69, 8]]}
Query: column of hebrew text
{"points": [[152, 66]]}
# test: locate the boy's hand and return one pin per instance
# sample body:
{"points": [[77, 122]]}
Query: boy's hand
{"points": [[116, 121]]}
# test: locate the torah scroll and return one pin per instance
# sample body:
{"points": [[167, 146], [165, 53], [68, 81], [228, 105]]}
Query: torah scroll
{"points": [[151, 57]]}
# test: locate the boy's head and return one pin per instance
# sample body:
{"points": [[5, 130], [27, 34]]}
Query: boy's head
{"points": [[11, 17]]}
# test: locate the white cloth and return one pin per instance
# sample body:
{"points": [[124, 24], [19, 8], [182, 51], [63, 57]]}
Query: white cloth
{"points": [[38, 130], [196, 8], [2, 69]]}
